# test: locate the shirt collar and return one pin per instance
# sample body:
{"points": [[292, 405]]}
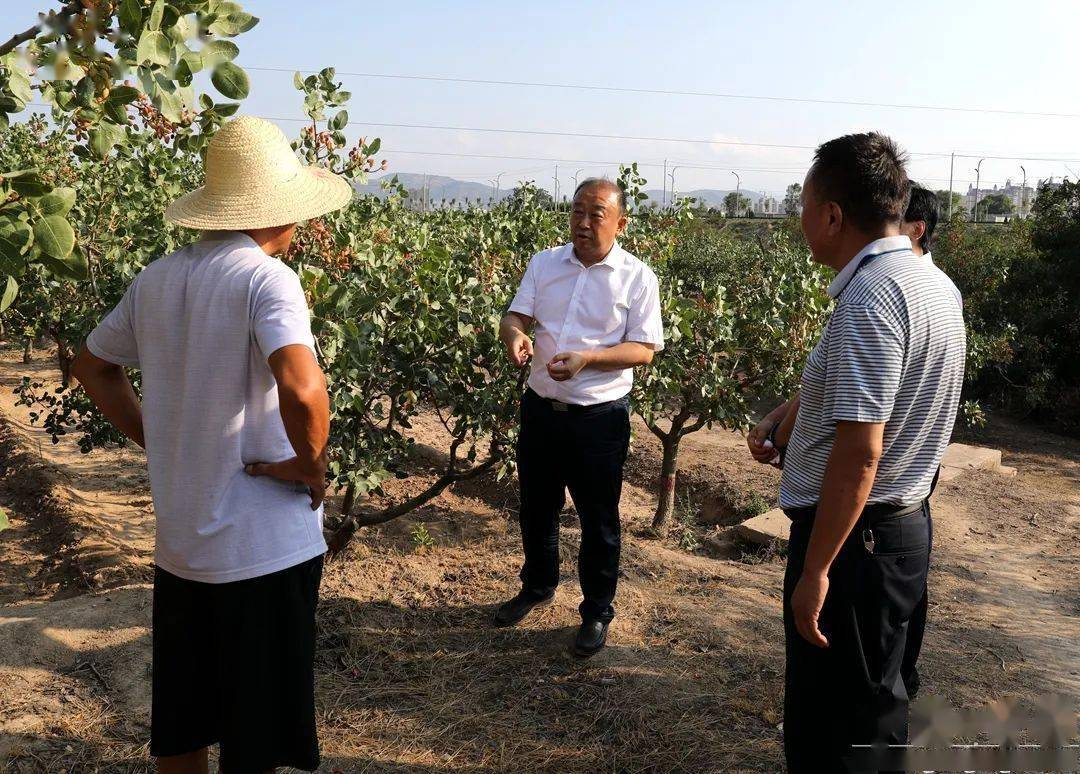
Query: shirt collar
{"points": [[614, 259], [878, 246]]}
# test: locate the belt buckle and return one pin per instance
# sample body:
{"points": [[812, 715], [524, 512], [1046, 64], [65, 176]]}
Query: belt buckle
{"points": [[558, 405]]}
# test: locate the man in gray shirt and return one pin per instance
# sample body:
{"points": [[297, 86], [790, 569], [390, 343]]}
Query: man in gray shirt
{"points": [[868, 429]]}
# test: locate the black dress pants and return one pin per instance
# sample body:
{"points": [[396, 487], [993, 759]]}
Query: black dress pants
{"points": [[852, 692], [583, 449], [909, 669]]}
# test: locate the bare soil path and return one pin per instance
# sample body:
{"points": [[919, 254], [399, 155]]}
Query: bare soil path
{"points": [[411, 676]]}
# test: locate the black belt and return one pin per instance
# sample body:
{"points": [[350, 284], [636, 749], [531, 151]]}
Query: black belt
{"points": [[870, 514], [572, 408]]}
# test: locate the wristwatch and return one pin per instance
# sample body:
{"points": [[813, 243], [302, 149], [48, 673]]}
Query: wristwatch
{"points": [[780, 450]]}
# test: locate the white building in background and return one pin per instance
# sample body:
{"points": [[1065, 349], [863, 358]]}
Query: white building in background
{"points": [[1021, 196], [767, 205]]}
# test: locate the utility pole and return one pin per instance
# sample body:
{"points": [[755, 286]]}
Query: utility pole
{"points": [[665, 183], [575, 178], [738, 184], [1023, 194], [978, 173], [952, 161], [498, 185], [556, 188]]}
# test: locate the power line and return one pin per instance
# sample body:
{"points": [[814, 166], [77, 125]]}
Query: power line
{"points": [[683, 93], [643, 138]]}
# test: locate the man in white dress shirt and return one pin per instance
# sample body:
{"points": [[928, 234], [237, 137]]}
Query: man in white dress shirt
{"points": [[594, 311]]}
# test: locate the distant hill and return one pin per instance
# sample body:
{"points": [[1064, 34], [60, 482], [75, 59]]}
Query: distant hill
{"points": [[440, 189], [709, 197], [443, 190]]}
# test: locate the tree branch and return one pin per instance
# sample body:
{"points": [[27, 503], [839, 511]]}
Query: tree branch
{"points": [[17, 40]]}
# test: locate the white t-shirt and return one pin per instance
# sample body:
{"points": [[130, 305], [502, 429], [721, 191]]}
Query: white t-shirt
{"points": [[200, 324], [577, 308]]}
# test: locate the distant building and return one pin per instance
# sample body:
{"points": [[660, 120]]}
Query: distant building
{"points": [[1020, 196], [767, 205]]}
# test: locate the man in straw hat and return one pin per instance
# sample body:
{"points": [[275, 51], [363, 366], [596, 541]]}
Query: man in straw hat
{"points": [[234, 419]]}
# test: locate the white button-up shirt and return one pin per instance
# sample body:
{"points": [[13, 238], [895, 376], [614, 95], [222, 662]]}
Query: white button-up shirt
{"points": [[579, 308]]}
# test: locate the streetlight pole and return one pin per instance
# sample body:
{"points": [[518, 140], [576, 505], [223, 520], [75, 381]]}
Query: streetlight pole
{"points": [[738, 184], [556, 188], [672, 176], [1023, 194], [952, 161], [978, 173], [665, 183], [575, 178]]}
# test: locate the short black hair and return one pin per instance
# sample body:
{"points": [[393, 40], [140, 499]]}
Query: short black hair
{"points": [[603, 182], [865, 175], [924, 206]]}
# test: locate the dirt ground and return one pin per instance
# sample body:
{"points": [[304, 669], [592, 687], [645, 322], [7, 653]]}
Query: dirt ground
{"points": [[411, 675]]}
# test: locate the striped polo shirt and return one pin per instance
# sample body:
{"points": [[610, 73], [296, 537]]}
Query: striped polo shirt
{"points": [[893, 351]]}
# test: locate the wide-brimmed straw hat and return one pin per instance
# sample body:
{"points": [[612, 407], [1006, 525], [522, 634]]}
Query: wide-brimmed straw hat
{"points": [[255, 180]]}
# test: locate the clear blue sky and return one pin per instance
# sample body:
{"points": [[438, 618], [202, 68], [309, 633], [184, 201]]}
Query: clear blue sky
{"points": [[993, 54]]}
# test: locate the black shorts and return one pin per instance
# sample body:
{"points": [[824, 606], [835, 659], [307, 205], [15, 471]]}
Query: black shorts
{"points": [[234, 664]]}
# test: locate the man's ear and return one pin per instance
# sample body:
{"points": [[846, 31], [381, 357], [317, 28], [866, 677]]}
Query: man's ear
{"points": [[836, 218], [623, 220], [918, 230]]}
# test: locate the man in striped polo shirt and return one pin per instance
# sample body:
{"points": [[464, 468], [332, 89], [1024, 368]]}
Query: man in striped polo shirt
{"points": [[879, 397]]}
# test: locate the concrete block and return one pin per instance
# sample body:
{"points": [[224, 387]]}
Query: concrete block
{"points": [[766, 527], [960, 455]]}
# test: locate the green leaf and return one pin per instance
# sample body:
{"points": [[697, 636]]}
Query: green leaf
{"points": [[102, 139], [373, 146], [226, 109], [230, 80], [29, 186], [156, 12], [11, 289], [154, 48], [55, 236], [12, 261], [130, 17], [298, 81], [232, 21], [57, 202], [122, 95], [218, 51], [340, 121], [74, 267]]}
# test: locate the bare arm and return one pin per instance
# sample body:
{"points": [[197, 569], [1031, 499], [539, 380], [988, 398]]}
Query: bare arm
{"points": [[783, 415], [514, 334], [305, 412], [627, 354], [110, 389], [849, 477]]}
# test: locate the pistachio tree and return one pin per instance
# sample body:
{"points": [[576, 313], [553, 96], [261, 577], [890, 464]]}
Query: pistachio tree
{"points": [[739, 318], [102, 65]]}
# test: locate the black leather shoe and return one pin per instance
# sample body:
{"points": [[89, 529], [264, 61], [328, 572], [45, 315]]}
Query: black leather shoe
{"points": [[590, 638], [514, 611]]}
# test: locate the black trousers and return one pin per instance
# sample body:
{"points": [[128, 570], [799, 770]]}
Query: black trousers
{"points": [[583, 449], [852, 692], [909, 670]]}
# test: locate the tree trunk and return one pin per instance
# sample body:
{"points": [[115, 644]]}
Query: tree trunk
{"points": [[348, 501], [28, 350], [64, 358], [665, 508]]}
